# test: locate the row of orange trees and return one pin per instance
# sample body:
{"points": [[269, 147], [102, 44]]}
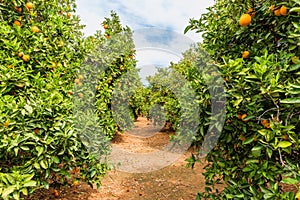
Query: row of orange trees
{"points": [[45, 79], [254, 47]]}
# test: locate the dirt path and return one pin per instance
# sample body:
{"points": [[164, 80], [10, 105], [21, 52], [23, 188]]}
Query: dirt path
{"points": [[171, 182]]}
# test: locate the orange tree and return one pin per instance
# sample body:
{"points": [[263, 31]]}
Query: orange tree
{"points": [[42, 53], [258, 150], [110, 70], [164, 107], [140, 102]]}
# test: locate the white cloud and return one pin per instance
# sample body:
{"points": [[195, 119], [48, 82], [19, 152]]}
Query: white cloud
{"points": [[165, 14], [162, 15]]}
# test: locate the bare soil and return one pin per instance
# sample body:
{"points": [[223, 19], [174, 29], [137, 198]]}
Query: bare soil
{"points": [[175, 181]]}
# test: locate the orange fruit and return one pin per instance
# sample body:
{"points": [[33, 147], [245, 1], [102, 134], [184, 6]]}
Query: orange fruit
{"points": [[70, 92], [286, 137], [80, 95], [5, 124], [283, 10], [107, 36], [245, 54], [243, 116], [245, 20], [55, 192], [29, 5], [20, 54], [35, 29], [18, 9], [77, 81], [122, 68], [17, 23], [26, 58], [105, 26], [277, 12], [239, 116], [69, 14], [75, 183]]}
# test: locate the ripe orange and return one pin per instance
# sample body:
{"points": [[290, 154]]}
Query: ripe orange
{"points": [[283, 10], [18, 9], [77, 81], [107, 36], [17, 23], [105, 26], [80, 95], [75, 183], [29, 5], [70, 92], [245, 20], [36, 130], [26, 58], [35, 29], [69, 14], [277, 12], [5, 124], [245, 54], [20, 54], [243, 116], [239, 116], [55, 192]]}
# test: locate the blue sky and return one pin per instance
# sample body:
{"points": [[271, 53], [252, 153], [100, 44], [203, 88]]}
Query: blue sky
{"points": [[166, 18]]}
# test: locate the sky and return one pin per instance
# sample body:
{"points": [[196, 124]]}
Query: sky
{"points": [[158, 26]]}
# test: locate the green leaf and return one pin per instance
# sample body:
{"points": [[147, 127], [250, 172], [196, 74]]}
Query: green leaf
{"points": [[295, 9], [40, 150], [44, 164], [291, 100], [25, 148], [7, 191], [24, 191], [248, 140], [30, 183], [37, 165], [284, 144], [28, 108], [291, 181], [55, 159]]}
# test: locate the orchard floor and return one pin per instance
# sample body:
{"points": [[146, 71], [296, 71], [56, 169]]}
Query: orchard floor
{"points": [[171, 182]]}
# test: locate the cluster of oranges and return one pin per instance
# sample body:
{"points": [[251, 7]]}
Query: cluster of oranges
{"points": [[29, 6], [245, 20], [242, 117], [281, 11]]}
